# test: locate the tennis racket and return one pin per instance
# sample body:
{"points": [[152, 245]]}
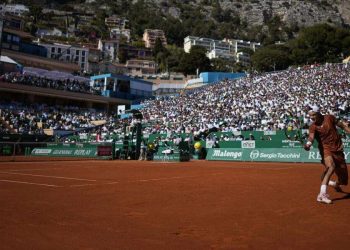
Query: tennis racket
{"points": [[293, 129]]}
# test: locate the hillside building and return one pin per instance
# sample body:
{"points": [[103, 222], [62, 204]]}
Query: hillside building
{"points": [[227, 48], [150, 37], [13, 9], [68, 53]]}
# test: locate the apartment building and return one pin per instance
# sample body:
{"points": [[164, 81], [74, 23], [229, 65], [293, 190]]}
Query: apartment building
{"points": [[133, 67], [117, 27], [13, 9], [94, 58], [137, 67], [132, 52], [240, 44], [150, 36], [109, 49], [48, 32], [116, 33], [116, 22], [243, 58], [20, 41], [68, 53], [227, 48], [190, 41], [215, 48], [220, 49], [13, 22]]}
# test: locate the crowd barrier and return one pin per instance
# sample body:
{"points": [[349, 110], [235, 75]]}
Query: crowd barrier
{"points": [[93, 150], [267, 154], [277, 150], [12, 151]]}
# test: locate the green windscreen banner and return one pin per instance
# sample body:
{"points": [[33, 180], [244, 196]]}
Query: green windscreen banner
{"points": [[267, 154], [93, 151], [72, 152]]}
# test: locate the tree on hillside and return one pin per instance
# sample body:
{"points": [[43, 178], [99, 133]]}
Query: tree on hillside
{"points": [[174, 58], [123, 56], [346, 47], [223, 65], [195, 60], [160, 54], [270, 58], [320, 43], [142, 17], [158, 47], [98, 24], [35, 12], [174, 31]]}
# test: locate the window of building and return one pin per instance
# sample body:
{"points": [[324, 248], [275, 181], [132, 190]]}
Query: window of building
{"points": [[53, 49], [15, 39]]}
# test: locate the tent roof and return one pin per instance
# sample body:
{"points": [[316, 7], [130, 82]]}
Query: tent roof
{"points": [[7, 59]]}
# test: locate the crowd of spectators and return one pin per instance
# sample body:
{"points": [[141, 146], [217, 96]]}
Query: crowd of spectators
{"points": [[44, 82], [261, 102], [17, 117], [257, 102]]}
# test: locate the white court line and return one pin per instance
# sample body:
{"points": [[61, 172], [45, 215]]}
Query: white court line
{"points": [[32, 169], [85, 185], [256, 167], [275, 168], [48, 176], [144, 180], [30, 183], [163, 162]]}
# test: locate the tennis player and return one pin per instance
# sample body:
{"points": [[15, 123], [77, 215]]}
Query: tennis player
{"points": [[324, 130]]}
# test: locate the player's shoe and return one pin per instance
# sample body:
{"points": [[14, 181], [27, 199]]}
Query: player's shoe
{"points": [[324, 198]]}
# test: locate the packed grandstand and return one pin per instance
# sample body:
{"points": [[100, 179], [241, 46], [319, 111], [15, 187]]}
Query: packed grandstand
{"points": [[258, 102]]}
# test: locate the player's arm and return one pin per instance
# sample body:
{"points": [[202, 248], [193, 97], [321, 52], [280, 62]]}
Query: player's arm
{"points": [[310, 140], [343, 125]]}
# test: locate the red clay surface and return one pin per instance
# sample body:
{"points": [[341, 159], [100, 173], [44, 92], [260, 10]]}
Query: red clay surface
{"points": [[155, 205]]}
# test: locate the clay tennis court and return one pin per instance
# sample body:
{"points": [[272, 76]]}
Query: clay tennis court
{"points": [[156, 205]]}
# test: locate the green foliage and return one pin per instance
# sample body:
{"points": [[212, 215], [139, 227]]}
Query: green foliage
{"points": [[224, 65], [214, 22], [226, 30], [35, 12], [174, 31], [123, 56], [274, 25], [98, 24], [175, 56], [320, 43], [346, 46], [272, 57], [139, 18], [138, 44], [161, 54], [246, 51], [158, 47], [194, 60]]}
